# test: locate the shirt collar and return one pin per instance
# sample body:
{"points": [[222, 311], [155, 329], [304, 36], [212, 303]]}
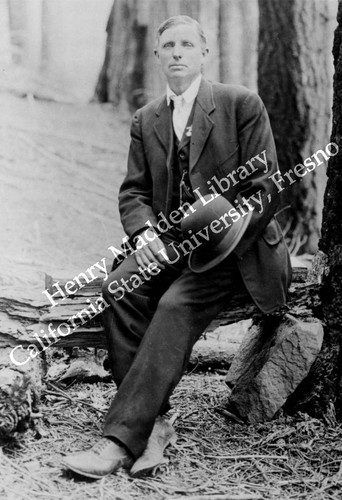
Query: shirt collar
{"points": [[189, 95]]}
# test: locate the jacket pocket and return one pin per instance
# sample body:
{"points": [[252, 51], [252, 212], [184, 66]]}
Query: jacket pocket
{"points": [[272, 233], [230, 160]]}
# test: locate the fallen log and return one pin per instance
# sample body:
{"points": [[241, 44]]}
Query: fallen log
{"points": [[303, 302], [19, 395], [25, 322]]}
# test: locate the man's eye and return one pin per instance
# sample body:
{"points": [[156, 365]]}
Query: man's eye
{"points": [[167, 45], [188, 44]]}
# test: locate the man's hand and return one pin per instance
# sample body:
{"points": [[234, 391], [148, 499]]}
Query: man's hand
{"points": [[152, 252]]}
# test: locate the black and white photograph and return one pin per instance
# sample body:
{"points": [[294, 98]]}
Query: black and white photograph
{"points": [[171, 249]]}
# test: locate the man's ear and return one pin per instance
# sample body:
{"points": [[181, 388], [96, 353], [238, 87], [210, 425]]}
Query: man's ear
{"points": [[205, 52], [156, 53]]}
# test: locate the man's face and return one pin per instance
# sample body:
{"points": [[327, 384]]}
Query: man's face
{"points": [[181, 54]]}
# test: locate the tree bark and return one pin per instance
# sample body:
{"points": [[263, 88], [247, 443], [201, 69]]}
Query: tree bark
{"points": [[294, 80], [111, 81], [5, 35], [321, 393], [34, 34], [238, 39]]}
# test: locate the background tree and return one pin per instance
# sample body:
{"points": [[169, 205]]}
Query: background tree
{"points": [[294, 75], [238, 42], [5, 35]]}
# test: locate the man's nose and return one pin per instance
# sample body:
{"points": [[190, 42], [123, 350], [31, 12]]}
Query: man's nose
{"points": [[177, 51]]}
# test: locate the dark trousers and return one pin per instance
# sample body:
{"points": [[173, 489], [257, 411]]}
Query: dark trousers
{"points": [[151, 331]]}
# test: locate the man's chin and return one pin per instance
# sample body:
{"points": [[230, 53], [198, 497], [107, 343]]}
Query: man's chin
{"points": [[177, 74]]}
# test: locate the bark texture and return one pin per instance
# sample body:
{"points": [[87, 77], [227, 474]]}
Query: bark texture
{"points": [[331, 241], [294, 81], [238, 42], [321, 392]]}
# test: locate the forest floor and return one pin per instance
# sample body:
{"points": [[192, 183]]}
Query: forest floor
{"points": [[60, 169], [214, 457]]}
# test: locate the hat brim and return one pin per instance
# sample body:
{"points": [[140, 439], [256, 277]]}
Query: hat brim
{"points": [[201, 261]]}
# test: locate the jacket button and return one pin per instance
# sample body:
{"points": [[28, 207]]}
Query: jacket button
{"points": [[182, 156]]}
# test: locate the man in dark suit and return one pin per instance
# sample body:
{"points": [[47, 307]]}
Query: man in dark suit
{"points": [[200, 139]]}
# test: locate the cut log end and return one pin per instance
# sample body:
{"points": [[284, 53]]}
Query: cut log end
{"points": [[18, 402]]}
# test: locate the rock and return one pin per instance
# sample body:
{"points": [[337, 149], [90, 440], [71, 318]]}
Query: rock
{"points": [[244, 355], [273, 359]]}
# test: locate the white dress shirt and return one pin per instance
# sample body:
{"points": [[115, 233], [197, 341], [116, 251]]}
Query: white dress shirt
{"points": [[182, 105]]}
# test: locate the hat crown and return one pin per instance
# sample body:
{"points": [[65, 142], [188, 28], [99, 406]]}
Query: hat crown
{"points": [[211, 213], [218, 227]]}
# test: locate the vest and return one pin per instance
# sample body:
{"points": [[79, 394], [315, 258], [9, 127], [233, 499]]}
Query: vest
{"points": [[181, 188], [181, 153]]}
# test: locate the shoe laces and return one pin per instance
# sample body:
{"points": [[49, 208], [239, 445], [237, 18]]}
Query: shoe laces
{"points": [[100, 446]]}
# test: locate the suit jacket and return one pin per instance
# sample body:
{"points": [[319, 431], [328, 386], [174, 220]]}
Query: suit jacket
{"points": [[230, 127]]}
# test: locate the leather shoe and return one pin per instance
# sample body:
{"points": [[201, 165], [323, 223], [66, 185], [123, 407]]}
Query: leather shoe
{"points": [[162, 435], [102, 459]]}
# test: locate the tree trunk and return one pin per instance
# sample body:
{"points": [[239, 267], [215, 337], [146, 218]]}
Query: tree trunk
{"points": [[321, 392], [113, 77], [18, 27], [5, 35], [34, 34], [294, 79], [238, 45]]}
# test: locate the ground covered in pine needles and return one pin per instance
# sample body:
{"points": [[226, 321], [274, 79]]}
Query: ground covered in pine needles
{"points": [[214, 458]]}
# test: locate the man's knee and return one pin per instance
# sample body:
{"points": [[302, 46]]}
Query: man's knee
{"points": [[170, 301], [111, 287], [116, 284], [105, 287]]}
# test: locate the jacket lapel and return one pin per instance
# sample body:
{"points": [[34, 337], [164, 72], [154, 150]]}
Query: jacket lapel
{"points": [[162, 126], [202, 123], [164, 131]]}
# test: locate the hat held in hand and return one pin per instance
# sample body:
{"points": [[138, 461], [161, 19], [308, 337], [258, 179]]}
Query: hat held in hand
{"points": [[218, 227]]}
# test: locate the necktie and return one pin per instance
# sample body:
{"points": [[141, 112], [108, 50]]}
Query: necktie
{"points": [[177, 116]]}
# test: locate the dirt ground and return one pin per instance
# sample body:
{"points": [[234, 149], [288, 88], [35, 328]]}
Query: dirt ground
{"points": [[60, 168]]}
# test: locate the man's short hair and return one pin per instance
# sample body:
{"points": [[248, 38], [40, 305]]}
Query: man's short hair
{"points": [[175, 20]]}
